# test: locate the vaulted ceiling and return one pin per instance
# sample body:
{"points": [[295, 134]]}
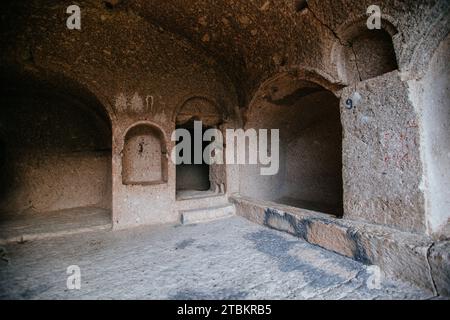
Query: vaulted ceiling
{"points": [[248, 41]]}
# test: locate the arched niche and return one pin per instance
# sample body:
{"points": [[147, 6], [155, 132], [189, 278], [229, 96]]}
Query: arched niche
{"points": [[200, 108], [365, 54], [144, 156], [55, 150], [310, 163]]}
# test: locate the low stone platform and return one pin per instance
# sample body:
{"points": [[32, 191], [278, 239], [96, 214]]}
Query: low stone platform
{"points": [[400, 255], [27, 226]]}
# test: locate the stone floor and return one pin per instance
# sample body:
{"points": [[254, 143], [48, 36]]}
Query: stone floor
{"points": [[225, 259]]}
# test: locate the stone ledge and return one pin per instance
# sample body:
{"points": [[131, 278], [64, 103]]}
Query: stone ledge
{"points": [[400, 255], [206, 214], [49, 235]]}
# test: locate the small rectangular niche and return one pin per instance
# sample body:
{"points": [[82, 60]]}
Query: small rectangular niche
{"points": [[144, 160]]}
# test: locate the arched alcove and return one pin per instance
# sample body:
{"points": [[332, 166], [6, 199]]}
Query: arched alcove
{"points": [[55, 172], [310, 172], [366, 53], [144, 159], [199, 179], [436, 125]]}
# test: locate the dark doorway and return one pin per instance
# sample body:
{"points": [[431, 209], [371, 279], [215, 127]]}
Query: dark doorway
{"points": [[193, 177]]}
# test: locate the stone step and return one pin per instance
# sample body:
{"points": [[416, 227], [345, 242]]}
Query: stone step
{"points": [[207, 214]]}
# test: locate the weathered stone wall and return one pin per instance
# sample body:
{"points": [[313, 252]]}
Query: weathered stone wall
{"points": [[46, 182], [382, 168], [55, 155], [433, 94]]}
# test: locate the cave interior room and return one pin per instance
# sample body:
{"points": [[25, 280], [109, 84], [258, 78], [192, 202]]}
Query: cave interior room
{"points": [[346, 101]]}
